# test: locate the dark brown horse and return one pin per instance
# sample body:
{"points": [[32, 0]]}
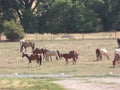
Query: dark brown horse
{"points": [[32, 57], [69, 56], [116, 57], [27, 44], [118, 42], [100, 53], [40, 51]]}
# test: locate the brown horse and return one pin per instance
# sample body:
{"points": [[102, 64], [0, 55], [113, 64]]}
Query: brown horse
{"points": [[100, 53], [116, 57], [40, 51], [31, 57], [69, 56], [118, 42], [27, 44], [76, 52]]}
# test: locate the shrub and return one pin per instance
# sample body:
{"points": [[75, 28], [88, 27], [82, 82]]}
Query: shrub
{"points": [[13, 31]]}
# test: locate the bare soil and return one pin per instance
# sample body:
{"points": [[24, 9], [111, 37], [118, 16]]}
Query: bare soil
{"points": [[90, 83]]}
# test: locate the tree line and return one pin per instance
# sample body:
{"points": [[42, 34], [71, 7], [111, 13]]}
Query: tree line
{"points": [[61, 16]]}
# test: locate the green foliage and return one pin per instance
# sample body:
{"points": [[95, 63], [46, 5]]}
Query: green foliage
{"points": [[13, 31], [58, 16]]}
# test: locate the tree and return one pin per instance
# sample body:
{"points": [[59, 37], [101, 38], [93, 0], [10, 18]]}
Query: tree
{"points": [[13, 31]]}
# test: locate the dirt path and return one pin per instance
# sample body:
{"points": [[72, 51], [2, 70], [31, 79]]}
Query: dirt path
{"points": [[90, 83]]}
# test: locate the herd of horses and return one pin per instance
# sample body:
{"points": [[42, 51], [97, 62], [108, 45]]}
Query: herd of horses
{"points": [[38, 53]]}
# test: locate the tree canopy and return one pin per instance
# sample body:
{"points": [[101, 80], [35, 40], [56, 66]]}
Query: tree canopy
{"points": [[62, 16]]}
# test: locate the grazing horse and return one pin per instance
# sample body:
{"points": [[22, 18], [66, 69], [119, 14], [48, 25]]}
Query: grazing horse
{"points": [[69, 56], [76, 52], [52, 53], [100, 53], [116, 57], [27, 44], [21, 42], [40, 51], [31, 57], [118, 42]]}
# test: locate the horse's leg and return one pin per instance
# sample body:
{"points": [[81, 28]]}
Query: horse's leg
{"points": [[47, 57], [107, 56], [25, 49], [51, 58], [30, 64], [43, 56], [66, 61], [56, 57], [37, 63], [40, 60], [100, 56], [74, 61], [114, 63]]}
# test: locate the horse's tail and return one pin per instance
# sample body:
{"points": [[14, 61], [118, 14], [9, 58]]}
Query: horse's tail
{"points": [[40, 60], [108, 57], [58, 54]]}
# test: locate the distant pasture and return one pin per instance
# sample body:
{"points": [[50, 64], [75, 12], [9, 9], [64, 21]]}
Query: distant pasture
{"points": [[12, 62]]}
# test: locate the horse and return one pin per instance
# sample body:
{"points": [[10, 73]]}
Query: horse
{"points": [[31, 57], [40, 51], [101, 52], [27, 44], [116, 57], [21, 42], [52, 53], [118, 42], [69, 56], [76, 52]]}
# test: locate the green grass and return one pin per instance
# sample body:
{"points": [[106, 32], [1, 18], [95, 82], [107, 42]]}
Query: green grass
{"points": [[27, 84], [11, 60]]}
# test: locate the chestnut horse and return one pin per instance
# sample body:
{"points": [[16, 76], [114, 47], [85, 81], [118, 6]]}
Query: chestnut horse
{"points": [[32, 57], [69, 56], [100, 53], [27, 44], [40, 51], [76, 52], [116, 57]]}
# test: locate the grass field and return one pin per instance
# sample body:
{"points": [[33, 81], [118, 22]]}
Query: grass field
{"points": [[12, 62]]}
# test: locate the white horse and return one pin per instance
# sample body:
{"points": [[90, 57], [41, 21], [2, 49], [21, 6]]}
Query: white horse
{"points": [[21, 42], [116, 57], [101, 52]]}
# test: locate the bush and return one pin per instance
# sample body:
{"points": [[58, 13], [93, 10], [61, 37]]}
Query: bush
{"points": [[13, 31]]}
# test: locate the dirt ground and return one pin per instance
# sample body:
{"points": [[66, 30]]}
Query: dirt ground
{"points": [[90, 83]]}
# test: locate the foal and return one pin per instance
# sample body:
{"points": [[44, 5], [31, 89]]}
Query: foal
{"points": [[32, 57], [100, 53]]}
